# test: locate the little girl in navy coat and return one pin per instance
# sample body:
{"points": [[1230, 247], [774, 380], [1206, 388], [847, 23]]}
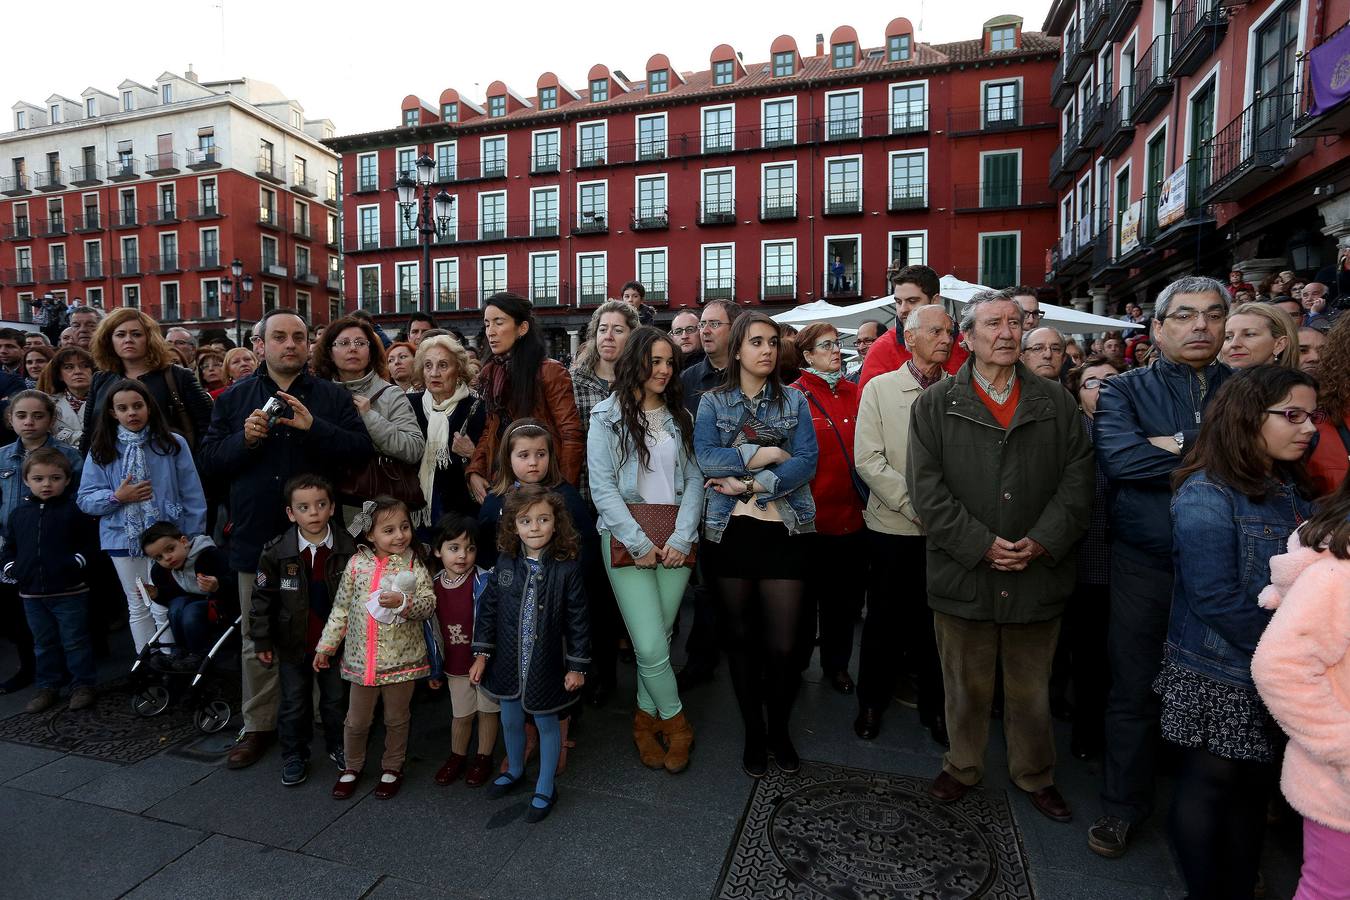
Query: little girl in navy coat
{"points": [[532, 638]]}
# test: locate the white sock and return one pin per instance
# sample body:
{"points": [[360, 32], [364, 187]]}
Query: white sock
{"points": [[347, 778], [388, 778]]}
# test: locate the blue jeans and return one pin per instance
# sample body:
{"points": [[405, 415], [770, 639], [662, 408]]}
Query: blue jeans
{"points": [[60, 627], [190, 619], [295, 714]]}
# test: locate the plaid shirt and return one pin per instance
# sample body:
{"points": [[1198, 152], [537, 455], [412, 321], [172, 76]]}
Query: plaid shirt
{"points": [[589, 389]]}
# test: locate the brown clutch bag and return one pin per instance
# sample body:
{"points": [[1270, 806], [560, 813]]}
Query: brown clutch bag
{"points": [[657, 521]]}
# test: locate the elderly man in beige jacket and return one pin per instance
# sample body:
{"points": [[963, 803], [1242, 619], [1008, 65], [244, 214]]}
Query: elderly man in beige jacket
{"points": [[898, 633]]}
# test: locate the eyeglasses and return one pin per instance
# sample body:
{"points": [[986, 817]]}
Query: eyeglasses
{"points": [[1093, 384], [358, 343], [1185, 315], [1034, 314], [711, 325], [1296, 416], [681, 332], [1041, 348], [826, 346]]}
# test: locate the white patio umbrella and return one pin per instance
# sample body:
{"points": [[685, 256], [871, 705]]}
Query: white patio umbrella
{"points": [[842, 317], [960, 291]]}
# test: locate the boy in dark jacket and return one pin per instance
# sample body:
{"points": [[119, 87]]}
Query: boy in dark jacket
{"points": [[192, 580], [49, 542], [298, 576]]}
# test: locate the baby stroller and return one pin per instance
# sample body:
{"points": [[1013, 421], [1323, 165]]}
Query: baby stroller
{"points": [[158, 679]]}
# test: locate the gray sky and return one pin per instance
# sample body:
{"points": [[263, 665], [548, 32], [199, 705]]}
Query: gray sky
{"points": [[353, 62]]}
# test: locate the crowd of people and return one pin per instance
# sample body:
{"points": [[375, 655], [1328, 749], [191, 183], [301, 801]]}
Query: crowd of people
{"points": [[1144, 534]]}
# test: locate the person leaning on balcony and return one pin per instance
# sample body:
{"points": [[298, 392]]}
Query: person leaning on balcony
{"points": [[1000, 474], [911, 286], [128, 344], [1146, 420]]}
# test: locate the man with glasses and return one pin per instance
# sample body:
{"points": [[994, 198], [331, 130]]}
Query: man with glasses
{"points": [[684, 330], [1032, 314], [1043, 352], [867, 335], [1146, 421], [181, 339]]}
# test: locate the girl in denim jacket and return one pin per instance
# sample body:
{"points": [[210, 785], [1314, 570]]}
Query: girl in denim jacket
{"points": [[757, 447], [1240, 494]]}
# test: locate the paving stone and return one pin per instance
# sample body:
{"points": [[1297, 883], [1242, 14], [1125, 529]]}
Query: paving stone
{"points": [[63, 775], [138, 787], [401, 889], [117, 850], [16, 759], [1071, 885], [224, 866]]}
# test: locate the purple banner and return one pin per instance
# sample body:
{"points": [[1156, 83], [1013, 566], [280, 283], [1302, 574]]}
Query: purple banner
{"points": [[1329, 68]]}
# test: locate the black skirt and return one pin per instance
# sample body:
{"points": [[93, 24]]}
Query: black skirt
{"points": [[754, 548]]}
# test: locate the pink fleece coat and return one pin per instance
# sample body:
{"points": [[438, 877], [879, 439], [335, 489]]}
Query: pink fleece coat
{"points": [[1302, 669]]}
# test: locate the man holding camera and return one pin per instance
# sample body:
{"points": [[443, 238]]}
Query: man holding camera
{"points": [[282, 422]]}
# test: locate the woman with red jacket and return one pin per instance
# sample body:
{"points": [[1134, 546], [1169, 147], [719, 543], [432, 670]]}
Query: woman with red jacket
{"points": [[839, 536], [1330, 459]]}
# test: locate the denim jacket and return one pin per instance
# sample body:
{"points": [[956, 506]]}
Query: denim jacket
{"points": [[613, 486], [786, 485], [1222, 544]]}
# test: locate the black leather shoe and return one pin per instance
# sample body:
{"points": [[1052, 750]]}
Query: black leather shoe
{"points": [[868, 724], [784, 754], [755, 759], [841, 682]]}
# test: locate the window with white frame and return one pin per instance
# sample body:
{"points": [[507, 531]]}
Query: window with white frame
{"points": [[719, 272], [491, 276], [131, 296], [493, 157], [544, 279], [843, 115], [446, 274], [651, 271], [405, 285], [843, 261], [302, 303], [406, 162], [368, 172], [56, 255], [780, 122], [592, 274], [271, 296], [302, 266], [131, 256], [447, 161], [169, 309], [335, 272], [719, 129], [208, 196], [492, 216], [719, 195], [368, 288], [1002, 103], [94, 297], [93, 259], [909, 180], [544, 212], [909, 107], [368, 228], [210, 298], [779, 191], [592, 208], [592, 143], [651, 137], [909, 248], [1000, 179], [269, 253], [545, 151], [168, 252], [778, 269], [843, 185], [651, 205]]}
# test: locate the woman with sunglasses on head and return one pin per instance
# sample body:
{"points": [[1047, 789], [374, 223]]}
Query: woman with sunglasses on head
{"points": [[1240, 493], [834, 594]]}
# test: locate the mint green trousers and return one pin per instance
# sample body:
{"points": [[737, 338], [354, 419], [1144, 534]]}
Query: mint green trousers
{"points": [[648, 601]]}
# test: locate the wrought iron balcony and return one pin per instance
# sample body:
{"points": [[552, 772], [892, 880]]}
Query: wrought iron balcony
{"points": [[166, 264], [492, 168], [591, 222], [88, 220], [1118, 123], [719, 141], [1095, 17], [86, 176], [56, 273], [778, 288], [1152, 84], [303, 229], [200, 158], [371, 184], [1062, 85], [544, 163], [269, 169], [594, 155], [15, 185], [843, 128], [129, 265], [271, 217], [305, 187], [20, 275], [208, 208], [545, 293], [1120, 16], [908, 196], [127, 217], [650, 217], [717, 289], [1090, 119], [651, 149], [544, 226], [909, 119], [717, 212], [54, 226], [1252, 149], [126, 169], [206, 259], [19, 230], [92, 270], [164, 213], [1000, 115], [1003, 195], [592, 293], [1198, 27], [842, 202], [50, 180], [776, 206], [161, 163]]}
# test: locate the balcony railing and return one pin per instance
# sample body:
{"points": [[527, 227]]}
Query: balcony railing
{"points": [[719, 141], [305, 275], [650, 217], [1000, 115], [778, 287], [371, 184], [92, 269], [161, 163], [20, 275], [591, 222], [717, 289], [126, 169], [842, 202], [491, 229], [127, 217], [14, 185], [651, 149], [204, 157], [544, 226], [55, 273], [201, 209], [18, 230], [592, 293], [717, 212], [544, 163], [129, 265], [909, 118], [591, 155], [164, 212], [1061, 80], [908, 196], [205, 259], [843, 128], [369, 240], [1251, 149], [53, 226], [1090, 120], [306, 187], [165, 264], [303, 229], [1095, 16], [492, 168], [86, 176], [1152, 83], [1198, 27], [271, 217], [545, 293], [999, 195], [269, 169], [657, 291], [49, 180], [89, 220], [778, 206], [1118, 123]]}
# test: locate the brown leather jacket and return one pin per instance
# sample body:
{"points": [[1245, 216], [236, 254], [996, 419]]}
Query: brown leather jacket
{"points": [[556, 407]]}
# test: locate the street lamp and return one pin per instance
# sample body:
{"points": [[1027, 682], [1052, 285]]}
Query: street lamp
{"points": [[245, 283], [432, 218]]}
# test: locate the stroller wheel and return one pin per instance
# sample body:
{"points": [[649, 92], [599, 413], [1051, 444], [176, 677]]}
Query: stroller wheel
{"points": [[150, 700], [212, 717]]}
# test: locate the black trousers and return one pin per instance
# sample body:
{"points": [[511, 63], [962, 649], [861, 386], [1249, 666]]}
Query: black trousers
{"points": [[1141, 599], [834, 598], [295, 713], [1218, 823], [1080, 661], [14, 628], [898, 633]]}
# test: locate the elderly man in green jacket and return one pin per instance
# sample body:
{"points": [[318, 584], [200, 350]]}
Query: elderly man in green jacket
{"points": [[1000, 474]]}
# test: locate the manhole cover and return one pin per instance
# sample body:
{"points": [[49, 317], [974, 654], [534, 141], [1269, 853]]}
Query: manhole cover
{"points": [[833, 832]]}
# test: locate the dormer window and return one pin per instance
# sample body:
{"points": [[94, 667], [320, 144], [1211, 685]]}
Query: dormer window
{"points": [[1003, 37], [548, 98], [496, 107], [722, 72], [128, 101], [450, 112], [898, 48], [296, 120], [784, 64], [658, 82], [90, 107], [844, 56], [55, 110], [599, 89], [20, 120], [409, 118], [166, 93]]}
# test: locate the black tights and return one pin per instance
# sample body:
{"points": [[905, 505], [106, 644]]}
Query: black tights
{"points": [[1218, 823], [760, 620]]}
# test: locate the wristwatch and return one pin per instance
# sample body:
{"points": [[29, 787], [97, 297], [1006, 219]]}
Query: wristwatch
{"points": [[1180, 438], [749, 482]]}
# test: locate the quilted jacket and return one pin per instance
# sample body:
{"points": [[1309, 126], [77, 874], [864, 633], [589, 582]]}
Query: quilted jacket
{"points": [[376, 653]]}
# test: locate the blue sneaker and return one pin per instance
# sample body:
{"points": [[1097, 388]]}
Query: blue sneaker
{"points": [[339, 759], [294, 771]]}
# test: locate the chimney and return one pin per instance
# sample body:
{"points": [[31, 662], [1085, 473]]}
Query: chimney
{"points": [[820, 44], [191, 75]]}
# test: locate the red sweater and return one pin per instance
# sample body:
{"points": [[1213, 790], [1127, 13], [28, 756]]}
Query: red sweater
{"points": [[889, 354], [838, 506]]}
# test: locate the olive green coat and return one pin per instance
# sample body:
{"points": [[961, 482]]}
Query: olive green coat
{"points": [[970, 480]]}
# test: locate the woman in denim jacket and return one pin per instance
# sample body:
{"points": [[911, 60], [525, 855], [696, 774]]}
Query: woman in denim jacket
{"points": [[1240, 494], [757, 447], [640, 447]]}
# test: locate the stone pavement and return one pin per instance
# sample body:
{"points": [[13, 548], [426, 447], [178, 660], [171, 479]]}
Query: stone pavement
{"points": [[177, 827]]}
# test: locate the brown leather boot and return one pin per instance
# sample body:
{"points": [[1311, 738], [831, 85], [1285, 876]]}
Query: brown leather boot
{"points": [[645, 728], [679, 741]]}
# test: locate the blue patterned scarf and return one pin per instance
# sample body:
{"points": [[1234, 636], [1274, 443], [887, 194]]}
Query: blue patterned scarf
{"points": [[136, 517]]}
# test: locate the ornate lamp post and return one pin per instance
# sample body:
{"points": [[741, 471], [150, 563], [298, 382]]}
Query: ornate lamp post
{"points": [[431, 217]]}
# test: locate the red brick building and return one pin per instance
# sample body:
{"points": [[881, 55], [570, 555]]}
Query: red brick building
{"points": [[146, 195], [773, 182], [1190, 145]]}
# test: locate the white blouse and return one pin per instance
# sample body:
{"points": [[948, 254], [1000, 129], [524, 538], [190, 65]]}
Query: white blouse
{"points": [[656, 480]]}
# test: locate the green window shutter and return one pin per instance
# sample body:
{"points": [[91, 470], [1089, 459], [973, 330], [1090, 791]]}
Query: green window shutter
{"points": [[1000, 180], [1000, 260]]}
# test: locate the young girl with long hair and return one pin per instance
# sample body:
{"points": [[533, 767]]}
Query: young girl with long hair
{"points": [[377, 616], [531, 639], [756, 447], [640, 445], [138, 472], [1240, 493]]}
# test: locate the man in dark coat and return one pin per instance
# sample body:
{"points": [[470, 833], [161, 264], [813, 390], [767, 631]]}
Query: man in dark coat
{"points": [[1000, 474], [318, 432]]}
